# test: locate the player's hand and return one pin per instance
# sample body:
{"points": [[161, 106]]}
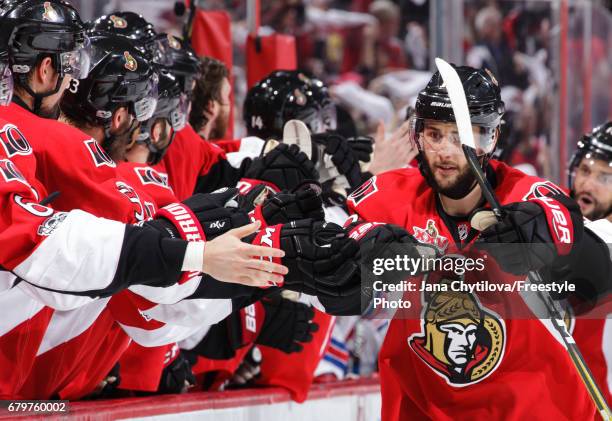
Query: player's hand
{"points": [[284, 167], [395, 152], [228, 259], [302, 202], [287, 323], [522, 240], [342, 155]]}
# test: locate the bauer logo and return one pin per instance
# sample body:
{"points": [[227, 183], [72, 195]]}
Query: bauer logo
{"points": [[366, 190], [13, 141], [460, 340]]}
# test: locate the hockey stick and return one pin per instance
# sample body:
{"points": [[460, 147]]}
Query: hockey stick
{"points": [[462, 117]]}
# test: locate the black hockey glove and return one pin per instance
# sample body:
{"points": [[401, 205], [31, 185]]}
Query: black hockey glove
{"points": [[300, 203], [286, 324], [320, 257], [362, 147], [177, 376], [342, 156], [284, 167], [522, 240], [216, 213]]}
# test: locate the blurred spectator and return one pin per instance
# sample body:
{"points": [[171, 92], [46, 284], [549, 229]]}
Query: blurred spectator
{"points": [[382, 50]]}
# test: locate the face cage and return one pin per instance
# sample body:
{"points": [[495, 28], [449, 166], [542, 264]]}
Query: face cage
{"points": [[485, 142], [6, 85]]}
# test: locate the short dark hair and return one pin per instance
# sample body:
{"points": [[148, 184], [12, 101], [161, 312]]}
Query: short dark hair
{"points": [[207, 89]]}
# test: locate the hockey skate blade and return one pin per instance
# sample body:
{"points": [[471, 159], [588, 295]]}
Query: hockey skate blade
{"points": [[482, 220], [296, 132]]}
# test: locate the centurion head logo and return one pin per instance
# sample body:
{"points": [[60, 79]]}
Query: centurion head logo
{"points": [[118, 22], [130, 62], [460, 339]]}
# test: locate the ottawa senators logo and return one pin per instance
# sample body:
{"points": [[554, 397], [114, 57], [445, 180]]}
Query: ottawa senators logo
{"points": [[460, 340], [130, 62], [13, 141], [97, 153], [541, 189], [148, 175], [9, 171], [118, 22], [49, 14], [430, 235], [366, 190]]}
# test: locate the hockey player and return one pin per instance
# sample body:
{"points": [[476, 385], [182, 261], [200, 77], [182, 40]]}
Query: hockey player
{"points": [[463, 358], [590, 181], [36, 247], [591, 173]]}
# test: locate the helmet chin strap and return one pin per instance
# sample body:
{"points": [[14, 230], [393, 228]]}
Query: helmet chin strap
{"points": [[39, 96], [110, 138]]}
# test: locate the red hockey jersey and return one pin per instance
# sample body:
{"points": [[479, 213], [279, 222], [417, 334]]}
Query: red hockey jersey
{"points": [[429, 365]]}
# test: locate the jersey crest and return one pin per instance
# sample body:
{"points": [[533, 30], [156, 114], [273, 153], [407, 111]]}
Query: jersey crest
{"points": [[460, 340]]}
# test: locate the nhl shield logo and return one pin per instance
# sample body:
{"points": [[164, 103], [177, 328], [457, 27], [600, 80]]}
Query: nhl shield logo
{"points": [[49, 14], [460, 340], [118, 22], [430, 235], [130, 62]]}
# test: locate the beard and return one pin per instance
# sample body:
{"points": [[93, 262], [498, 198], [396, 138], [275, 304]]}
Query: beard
{"points": [[220, 127], [50, 112], [116, 144], [598, 210], [459, 188]]}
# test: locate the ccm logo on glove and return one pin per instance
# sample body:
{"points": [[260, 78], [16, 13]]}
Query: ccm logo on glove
{"points": [[269, 237]]}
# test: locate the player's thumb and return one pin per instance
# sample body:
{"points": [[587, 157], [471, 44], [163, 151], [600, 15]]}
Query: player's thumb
{"points": [[246, 230]]}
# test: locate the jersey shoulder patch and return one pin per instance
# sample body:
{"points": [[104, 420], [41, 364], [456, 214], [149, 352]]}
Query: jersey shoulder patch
{"points": [[13, 141], [99, 156]]}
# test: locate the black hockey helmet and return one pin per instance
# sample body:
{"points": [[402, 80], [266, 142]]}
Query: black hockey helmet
{"points": [[120, 76], [485, 106], [171, 110], [163, 49], [34, 29], [594, 145], [285, 95], [127, 24]]}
